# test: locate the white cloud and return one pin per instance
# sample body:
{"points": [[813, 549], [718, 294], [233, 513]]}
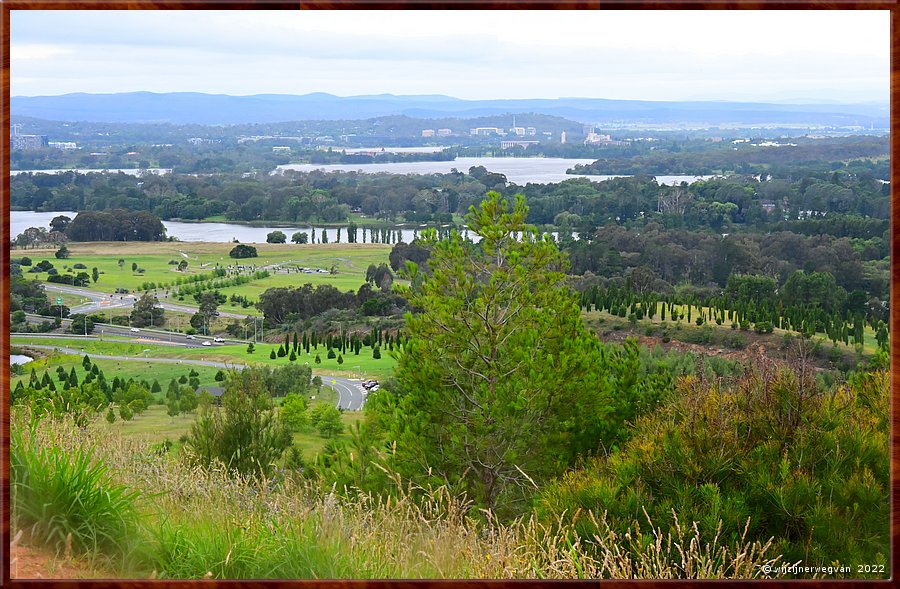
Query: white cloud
{"points": [[656, 55], [37, 51]]}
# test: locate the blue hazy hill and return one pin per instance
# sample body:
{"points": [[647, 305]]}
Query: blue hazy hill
{"points": [[220, 109]]}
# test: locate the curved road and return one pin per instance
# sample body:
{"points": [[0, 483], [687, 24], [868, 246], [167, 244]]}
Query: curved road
{"points": [[351, 395], [101, 301]]}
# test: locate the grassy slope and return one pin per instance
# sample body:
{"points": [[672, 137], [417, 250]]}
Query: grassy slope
{"points": [[350, 261], [155, 425], [354, 366]]}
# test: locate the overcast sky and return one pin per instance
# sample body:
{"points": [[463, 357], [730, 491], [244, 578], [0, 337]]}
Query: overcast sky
{"points": [[655, 55]]}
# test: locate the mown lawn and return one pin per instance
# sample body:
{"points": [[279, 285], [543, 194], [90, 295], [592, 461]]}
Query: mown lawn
{"points": [[350, 262]]}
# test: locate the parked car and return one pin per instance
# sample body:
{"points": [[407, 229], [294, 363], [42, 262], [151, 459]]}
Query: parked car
{"points": [[369, 384]]}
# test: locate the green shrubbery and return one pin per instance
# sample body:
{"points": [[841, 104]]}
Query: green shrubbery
{"points": [[806, 466], [66, 497]]}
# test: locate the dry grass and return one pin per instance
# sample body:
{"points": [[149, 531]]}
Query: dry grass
{"points": [[417, 533]]}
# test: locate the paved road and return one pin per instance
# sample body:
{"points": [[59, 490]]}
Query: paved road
{"points": [[351, 395], [101, 301], [149, 336]]}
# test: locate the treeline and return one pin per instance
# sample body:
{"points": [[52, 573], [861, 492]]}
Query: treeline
{"points": [[722, 204], [340, 156], [703, 157], [288, 305], [806, 304], [116, 225], [82, 398], [292, 196], [660, 259]]}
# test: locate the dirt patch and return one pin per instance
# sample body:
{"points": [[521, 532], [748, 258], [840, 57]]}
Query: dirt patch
{"points": [[30, 562]]}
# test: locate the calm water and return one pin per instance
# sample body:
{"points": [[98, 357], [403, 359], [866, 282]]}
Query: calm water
{"points": [[521, 171], [128, 171], [19, 359], [518, 170], [19, 221]]}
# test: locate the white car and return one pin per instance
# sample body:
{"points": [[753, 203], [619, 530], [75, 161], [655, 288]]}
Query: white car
{"points": [[135, 330], [191, 337], [218, 339], [207, 343]]}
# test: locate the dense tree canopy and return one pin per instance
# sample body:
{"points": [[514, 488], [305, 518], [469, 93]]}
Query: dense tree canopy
{"points": [[116, 225], [501, 384]]}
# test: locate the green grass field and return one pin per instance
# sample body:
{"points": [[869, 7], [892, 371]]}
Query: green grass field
{"points": [[350, 261], [362, 366], [155, 425], [137, 369]]}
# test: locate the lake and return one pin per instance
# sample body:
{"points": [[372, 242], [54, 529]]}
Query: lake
{"points": [[19, 221], [128, 171], [518, 170], [521, 171], [19, 359]]}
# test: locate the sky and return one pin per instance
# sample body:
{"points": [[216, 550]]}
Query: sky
{"points": [[783, 56]]}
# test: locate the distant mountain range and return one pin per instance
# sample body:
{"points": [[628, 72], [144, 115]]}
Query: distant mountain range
{"points": [[220, 109]]}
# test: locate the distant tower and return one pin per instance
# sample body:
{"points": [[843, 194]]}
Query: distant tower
{"points": [[16, 129], [562, 137]]}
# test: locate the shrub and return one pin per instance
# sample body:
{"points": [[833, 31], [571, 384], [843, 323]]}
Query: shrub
{"points": [[806, 466], [64, 494], [764, 327], [243, 251], [247, 436]]}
